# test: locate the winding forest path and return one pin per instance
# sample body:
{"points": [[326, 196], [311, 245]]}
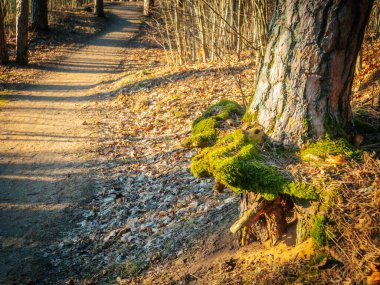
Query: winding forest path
{"points": [[46, 164]]}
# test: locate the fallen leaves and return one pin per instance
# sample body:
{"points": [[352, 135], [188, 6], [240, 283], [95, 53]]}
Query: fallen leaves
{"points": [[374, 277]]}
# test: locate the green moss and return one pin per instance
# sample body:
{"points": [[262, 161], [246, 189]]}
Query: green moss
{"points": [[333, 129], [201, 140], [204, 129], [307, 125], [235, 162], [318, 232], [318, 258], [204, 133], [250, 117], [204, 125], [221, 111], [300, 190], [326, 147]]}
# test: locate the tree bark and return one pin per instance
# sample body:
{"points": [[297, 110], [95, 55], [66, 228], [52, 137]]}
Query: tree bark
{"points": [[148, 6], [260, 219], [99, 8], [4, 58], [304, 84], [22, 32], [39, 15]]}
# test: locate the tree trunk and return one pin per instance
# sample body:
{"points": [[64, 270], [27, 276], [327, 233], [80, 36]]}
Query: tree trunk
{"points": [[40, 15], [304, 84], [99, 8], [148, 6], [4, 59], [22, 32]]}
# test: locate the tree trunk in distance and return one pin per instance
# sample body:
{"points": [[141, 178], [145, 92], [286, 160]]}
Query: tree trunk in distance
{"points": [[99, 8], [40, 15], [148, 6], [4, 58], [22, 32], [304, 83]]}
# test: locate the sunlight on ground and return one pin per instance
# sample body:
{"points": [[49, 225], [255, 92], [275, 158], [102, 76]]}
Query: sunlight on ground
{"points": [[34, 207]]}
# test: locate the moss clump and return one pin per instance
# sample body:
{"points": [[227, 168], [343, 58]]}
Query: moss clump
{"points": [[235, 162], [221, 111], [300, 190], [204, 129], [333, 129], [329, 147], [318, 232], [250, 117], [203, 133]]}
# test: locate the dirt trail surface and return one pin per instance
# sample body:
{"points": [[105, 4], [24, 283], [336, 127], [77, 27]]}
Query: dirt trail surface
{"points": [[46, 167]]}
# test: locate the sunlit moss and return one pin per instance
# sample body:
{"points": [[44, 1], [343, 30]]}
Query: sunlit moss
{"points": [[204, 133], [235, 162], [326, 147], [318, 232], [221, 111], [300, 190], [250, 117], [204, 129]]}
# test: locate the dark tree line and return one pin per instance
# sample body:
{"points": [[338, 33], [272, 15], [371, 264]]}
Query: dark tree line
{"points": [[39, 22]]}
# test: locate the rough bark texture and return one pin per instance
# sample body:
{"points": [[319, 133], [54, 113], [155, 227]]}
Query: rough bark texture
{"points": [[40, 15], [22, 31], [276, 222], [148, 5], [267, 220], [304, 84], [99, 8], [4, 59]]}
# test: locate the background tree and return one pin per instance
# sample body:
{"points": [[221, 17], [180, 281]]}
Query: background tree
{"points": [[4, 59], [304, 84], [99, 8], [148, 5], [22, 31], [199, 30], [39, 15]]}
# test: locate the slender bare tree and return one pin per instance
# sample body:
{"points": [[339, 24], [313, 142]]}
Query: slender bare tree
{"points": [[99, 8], [22, 31], [4, 58], [39, 15], [148, 6]]}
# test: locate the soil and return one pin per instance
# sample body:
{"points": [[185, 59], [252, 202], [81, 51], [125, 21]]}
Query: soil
{"points": [[46, 165]]}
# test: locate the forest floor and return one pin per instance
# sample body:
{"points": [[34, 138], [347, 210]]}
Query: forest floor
{"points": [[94, 149]]}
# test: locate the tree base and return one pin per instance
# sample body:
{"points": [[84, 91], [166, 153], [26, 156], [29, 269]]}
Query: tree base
{"points": [[262, 220]]}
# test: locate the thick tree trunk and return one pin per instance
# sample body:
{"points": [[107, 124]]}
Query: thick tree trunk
{"points": [[40, 15], [99, 8], [304, 84], [22, 32], [4, 59], [148, 6]]}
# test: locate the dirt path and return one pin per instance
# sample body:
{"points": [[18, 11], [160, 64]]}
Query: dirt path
{"points": [[45, 159]]}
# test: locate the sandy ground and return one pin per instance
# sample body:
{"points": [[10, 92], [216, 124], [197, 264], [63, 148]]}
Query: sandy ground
{"points": [[46, 165]]}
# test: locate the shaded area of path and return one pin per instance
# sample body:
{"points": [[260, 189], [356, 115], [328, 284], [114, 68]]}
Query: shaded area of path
{"points": [[45, 159]]}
